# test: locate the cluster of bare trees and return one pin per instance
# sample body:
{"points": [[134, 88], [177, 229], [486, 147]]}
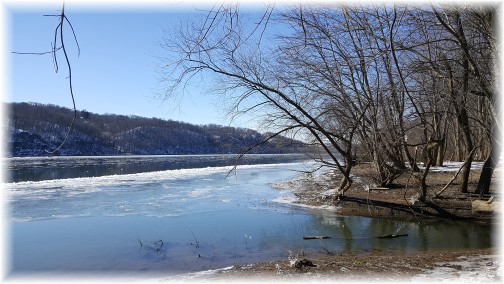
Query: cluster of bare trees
{"points": [[392, 85]]}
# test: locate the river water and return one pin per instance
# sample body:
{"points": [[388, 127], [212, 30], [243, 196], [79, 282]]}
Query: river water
{"points": [[164, 215]]}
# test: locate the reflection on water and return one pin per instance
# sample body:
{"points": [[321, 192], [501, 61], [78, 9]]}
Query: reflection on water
{"points": [[351, 234], [211, 240], [191, 220]]}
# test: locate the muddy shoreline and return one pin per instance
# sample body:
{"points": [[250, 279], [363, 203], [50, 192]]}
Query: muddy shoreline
{"points": [[374, 266]]}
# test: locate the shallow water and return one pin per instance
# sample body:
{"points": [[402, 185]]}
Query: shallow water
{"points": [[185, 220]]}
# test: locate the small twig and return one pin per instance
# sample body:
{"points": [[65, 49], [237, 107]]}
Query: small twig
{"points": [[234, 244], [196, 244], [456, 175], [38, 53]]}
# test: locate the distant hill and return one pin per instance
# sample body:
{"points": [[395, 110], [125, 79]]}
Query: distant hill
{"points": [[37, 128]]}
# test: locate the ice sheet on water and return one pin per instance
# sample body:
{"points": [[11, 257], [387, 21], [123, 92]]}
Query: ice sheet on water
{"points": [[91, 184], [157, 194]]}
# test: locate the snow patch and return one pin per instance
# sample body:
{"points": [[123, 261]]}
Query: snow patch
{"points": [[482, 268], [201, 274], [329, 192], [455, 166], [295, 201]]}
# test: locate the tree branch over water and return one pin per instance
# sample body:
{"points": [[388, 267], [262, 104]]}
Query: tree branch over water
{"points": [[364, 83], [55, 48]]}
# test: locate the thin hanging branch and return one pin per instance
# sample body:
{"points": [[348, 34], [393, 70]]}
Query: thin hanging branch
{"points": [[59, 35], [271, 136]]}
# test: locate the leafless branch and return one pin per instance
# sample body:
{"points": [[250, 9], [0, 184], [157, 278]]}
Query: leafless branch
{"points": [[59, 36], [271, 136]]}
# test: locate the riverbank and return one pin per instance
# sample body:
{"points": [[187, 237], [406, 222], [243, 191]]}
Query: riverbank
{"points": [[401, 201], [481, 265]]}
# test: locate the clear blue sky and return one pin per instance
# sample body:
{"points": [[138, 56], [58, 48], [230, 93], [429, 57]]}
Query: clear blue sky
{"points": [[117, 68]]}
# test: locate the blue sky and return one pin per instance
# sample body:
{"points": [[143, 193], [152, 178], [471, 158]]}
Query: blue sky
{"points": [[117, 68]]}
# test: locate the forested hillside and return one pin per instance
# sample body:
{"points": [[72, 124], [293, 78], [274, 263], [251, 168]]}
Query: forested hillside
{"points": [[36, 129]]}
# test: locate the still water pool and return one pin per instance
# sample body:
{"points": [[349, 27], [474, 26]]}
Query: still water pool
{"points": [[171, 221]]}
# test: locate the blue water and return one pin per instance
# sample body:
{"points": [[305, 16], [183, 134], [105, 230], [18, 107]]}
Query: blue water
{"points": [[174, 221]]}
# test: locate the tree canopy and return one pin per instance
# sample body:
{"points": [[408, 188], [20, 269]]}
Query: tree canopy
{"points": [[394, 85]]}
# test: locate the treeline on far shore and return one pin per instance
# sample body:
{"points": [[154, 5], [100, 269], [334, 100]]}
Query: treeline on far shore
{"points": [[36, 129]]}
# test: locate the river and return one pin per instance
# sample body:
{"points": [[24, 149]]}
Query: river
{"points": [[165, 215]]}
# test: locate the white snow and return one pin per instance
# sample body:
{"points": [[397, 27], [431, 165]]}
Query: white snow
{"points": [[455, 166], [330, 192], [294, 201], [471, 269]]}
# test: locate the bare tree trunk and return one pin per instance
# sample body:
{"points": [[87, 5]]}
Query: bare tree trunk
{"points": [[346, 182], [411, 159], [423, 184], [485, 178], [462, 119], [440, 151]]}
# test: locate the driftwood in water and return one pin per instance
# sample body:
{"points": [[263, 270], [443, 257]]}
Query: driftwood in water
{"points": [[315, 237], [390, 236]]}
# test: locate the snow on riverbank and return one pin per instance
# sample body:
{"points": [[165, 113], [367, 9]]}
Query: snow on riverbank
{"points": [[480, 268], [303, 191]]}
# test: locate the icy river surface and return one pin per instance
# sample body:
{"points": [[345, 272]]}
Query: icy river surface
{"points": [[165, 215]]}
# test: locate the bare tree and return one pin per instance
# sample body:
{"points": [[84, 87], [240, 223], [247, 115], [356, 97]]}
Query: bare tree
{"points": [[468, 34], [224, 46], [360, 77], [454, 93]]}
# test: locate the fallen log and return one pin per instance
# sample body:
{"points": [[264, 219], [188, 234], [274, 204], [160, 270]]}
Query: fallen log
{"points": [[390, 236], [315, 237]]}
